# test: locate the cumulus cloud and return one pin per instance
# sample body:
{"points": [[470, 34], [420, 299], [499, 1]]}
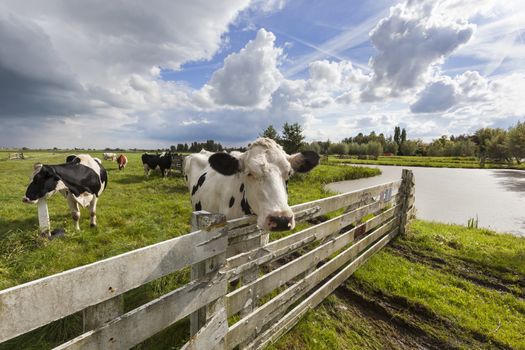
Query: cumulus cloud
{"points": [[445, 93], [249, 77], [413, 39]]}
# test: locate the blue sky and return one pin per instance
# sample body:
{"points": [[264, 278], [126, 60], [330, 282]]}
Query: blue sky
{"points": [[133, 74]]}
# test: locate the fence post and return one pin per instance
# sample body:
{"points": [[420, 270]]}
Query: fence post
{"points": [[406, 199], [203, 220]]}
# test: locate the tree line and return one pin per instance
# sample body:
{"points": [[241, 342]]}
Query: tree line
{"points": [[494, 144]]}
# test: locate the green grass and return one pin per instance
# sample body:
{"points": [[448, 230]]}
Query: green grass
{"points": [[133, 212], [434, 162], [439, 286]]}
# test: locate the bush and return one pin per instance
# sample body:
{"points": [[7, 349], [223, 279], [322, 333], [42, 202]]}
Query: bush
{"points": [[338, 148]]}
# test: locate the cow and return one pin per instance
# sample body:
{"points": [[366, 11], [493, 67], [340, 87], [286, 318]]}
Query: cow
{"points": [[154, 161], [81, 180], [110, 156], [122, 161], [70, 158], [254, 182]]}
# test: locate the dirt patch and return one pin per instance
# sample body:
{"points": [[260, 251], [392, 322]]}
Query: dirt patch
{"points": [[416, 321], [396, 329], [469, 271]]}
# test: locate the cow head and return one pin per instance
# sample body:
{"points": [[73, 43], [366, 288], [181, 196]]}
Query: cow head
{"points": [[264, 170], [45, 182]]}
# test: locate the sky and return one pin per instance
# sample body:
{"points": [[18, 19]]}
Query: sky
{"points": [[149, 74]]}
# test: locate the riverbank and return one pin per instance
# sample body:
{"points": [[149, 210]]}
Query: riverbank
{"points": [[431, 162], [438, 287]]}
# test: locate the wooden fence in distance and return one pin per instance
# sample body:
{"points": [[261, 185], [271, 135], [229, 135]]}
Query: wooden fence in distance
{"points": [[243, 291]]}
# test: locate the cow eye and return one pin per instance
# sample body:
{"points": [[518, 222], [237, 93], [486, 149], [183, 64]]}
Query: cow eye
{"points": [[249, 174]]}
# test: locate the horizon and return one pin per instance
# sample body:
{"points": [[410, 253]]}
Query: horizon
{"points": [[150, 76]]}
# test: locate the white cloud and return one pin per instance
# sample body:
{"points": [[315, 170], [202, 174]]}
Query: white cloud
{"points": [[249, 77], [412, 40]]}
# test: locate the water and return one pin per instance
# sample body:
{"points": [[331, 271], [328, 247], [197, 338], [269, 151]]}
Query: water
{"points": [[495, 196]]}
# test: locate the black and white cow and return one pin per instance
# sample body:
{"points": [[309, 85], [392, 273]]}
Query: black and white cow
{"points": [[154, 161], [253, 182], [81, 180]]}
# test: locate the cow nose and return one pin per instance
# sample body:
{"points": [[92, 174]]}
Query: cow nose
{"points": [[26, 200], [280, 223]]}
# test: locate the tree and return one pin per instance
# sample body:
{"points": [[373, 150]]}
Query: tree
{"points": [[374, 149], [497, 146], [491, 144], [338, 148], [403, 135], [516, 141], [325, 145], [314, 146], [408, 148], [271, 133], [391, 147], [397, 137], [292, 138]]}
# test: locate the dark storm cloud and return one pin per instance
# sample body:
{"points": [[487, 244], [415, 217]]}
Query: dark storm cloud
{"points": [[33, 80]]}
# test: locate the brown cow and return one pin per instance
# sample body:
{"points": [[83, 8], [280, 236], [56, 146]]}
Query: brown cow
{"points": [[122, 160]]}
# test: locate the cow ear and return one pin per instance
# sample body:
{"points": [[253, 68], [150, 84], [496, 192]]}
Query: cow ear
{"points": [[304, 162], [224, 163], [50, 172]]}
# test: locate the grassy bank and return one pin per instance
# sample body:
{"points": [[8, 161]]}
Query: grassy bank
{"points": [[133, 212], [434, 162], [438, 287]]}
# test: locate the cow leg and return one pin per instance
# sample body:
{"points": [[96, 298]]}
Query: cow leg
{"points": [[75, 211], [93, 212], [146, 170]]}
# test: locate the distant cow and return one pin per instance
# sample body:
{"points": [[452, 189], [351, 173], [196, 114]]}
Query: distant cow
{"points": [[110, 156], [122, 161], [253, 182], [154, 161], [81, 180]]}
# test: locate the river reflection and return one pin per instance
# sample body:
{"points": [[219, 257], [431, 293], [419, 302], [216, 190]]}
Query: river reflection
{"points": [[496, 197]]}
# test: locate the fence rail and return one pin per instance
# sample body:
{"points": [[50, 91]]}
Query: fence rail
{"points": [[277, 282]]}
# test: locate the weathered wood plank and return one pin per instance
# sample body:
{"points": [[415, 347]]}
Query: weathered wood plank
{"points": [[95, 316], [330, 204], [211, 336], [265, 284], [139, 324], [406, 188], [261, 316], [36, 303], [286, 245], [283, 325], [203, 220]]}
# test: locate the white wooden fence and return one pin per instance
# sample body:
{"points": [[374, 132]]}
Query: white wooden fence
{"points": [[275, 283]]}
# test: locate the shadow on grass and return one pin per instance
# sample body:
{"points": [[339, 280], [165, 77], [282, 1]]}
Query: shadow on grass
{"points": [[7, 227], [132, 179]]}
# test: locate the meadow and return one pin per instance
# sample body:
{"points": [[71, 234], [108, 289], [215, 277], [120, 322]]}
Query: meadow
{"points": [[440, 286], [133, 212], [420, 161]]}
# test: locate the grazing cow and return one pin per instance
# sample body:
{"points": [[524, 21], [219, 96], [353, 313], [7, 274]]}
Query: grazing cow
{"points": [[110, 156], [122, 161], [81, 180], [253, 182], [153, 161]]}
